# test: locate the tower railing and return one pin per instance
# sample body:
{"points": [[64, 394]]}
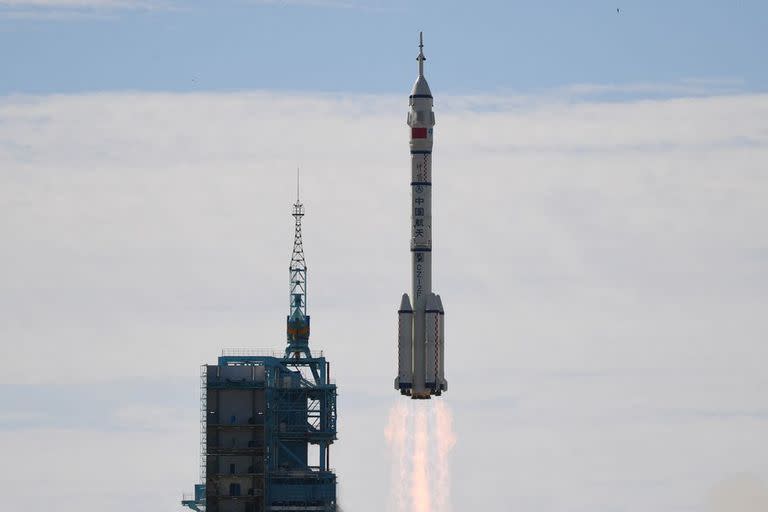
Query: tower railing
{"points": [[258, 352]]}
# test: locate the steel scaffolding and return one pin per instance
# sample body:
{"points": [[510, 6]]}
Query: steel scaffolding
{"points": [[298, 410]]}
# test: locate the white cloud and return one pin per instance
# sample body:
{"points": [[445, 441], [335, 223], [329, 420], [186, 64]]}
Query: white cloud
{"points": [[112, 4], [332, 4], [148, 417], [740, 493], [62, 6], [67, 10], [603, 266], [97, 470], [687, 87]]}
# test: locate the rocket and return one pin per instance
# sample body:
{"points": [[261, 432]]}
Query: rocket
{"points": [[421, 317]]}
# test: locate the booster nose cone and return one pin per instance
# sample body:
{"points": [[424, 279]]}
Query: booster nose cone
{"points": [[432, 304], [405, 304]]}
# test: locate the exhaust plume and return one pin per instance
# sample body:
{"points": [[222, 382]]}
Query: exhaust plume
{"points": [[420, 438]]}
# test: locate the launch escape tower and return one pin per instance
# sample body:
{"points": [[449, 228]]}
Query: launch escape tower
{"points": [[259, 414]]}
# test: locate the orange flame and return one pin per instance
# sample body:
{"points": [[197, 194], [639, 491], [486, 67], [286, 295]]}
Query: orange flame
{"points": [[420, 437], [445, 440], [396, 435], [420, 491]]}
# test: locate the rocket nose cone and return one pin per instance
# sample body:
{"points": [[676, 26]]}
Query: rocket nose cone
{"points": [[405, 303], [432, 302], [440, 304]]}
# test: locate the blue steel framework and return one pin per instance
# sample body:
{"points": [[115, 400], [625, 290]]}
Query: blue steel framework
{"points": [[300, 410]]}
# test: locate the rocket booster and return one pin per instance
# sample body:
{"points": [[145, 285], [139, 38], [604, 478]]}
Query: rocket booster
{"points": [[421, 323]]}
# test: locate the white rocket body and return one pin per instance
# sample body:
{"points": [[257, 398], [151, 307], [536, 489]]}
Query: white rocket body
{"points": [[420, 345]]}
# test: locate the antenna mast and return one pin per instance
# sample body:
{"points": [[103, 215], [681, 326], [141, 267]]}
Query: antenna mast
{"points": [[298, 320]]}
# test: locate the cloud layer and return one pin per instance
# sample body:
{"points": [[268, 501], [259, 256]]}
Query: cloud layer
{"points": [[110, 4], [603, 265]]}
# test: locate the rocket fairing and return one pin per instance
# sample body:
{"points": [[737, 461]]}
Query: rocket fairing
{"points": [[421, 323]]}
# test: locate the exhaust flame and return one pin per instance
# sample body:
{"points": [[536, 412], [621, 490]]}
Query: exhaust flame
{"points": [[445, 440], [421, 499], [420, 438], [395, 434]]}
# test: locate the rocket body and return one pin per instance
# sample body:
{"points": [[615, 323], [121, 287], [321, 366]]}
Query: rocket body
{"points": [[421, 344]]}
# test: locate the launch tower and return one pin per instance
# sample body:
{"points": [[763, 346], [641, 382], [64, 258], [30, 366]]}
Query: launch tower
{"points": [[260, 413]]}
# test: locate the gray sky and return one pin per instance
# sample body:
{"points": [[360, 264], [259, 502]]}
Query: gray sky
{"points": [[604, 268]]}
